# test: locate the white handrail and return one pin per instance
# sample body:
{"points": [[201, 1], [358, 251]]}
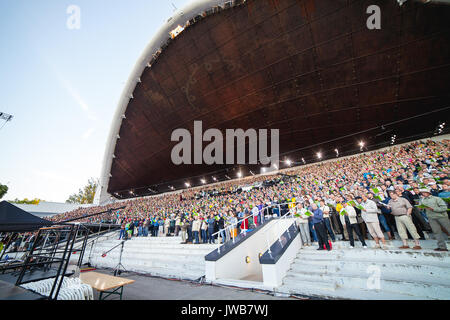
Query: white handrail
{"points": [[288, 214], [228, 228]]}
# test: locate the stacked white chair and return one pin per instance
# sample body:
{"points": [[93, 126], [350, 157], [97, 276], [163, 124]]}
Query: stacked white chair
{"points": [[71, 289]]}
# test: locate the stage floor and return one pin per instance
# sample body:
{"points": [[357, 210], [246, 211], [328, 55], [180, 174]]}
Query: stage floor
{"points": [[9, 291], [148, 288]]}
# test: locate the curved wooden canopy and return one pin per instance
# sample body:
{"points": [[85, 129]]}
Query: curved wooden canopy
{"points": [[311, 69]]}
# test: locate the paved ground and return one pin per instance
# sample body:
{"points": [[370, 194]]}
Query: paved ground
{"points": [[150, 288]]}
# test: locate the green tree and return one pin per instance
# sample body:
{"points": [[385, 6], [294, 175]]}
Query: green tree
{"points": [[3, 190], [26, 201], [86, 194]]}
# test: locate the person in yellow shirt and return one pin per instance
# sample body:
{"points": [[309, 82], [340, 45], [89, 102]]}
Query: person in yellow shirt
{"points": [[292, 203], [339, 207]]}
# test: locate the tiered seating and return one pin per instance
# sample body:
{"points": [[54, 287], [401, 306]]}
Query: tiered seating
{"points": [[160, 256], [344, 273]]}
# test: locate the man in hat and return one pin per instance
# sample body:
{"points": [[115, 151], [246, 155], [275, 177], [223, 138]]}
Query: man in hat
{"points": [[401, 209], [436, 210], [370, 216]]}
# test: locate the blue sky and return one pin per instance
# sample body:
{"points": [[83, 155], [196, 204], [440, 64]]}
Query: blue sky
{"points": [[62, 86]]}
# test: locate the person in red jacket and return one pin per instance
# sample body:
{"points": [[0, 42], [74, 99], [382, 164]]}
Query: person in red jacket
{"points": [[244, 223]]}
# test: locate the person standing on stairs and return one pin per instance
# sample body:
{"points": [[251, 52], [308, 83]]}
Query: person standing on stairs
{"points": [[204, 230], [167, 226], [303, 224], [319, 227], [211, 227], [177, 225], [402, 209], [183, 229], [370, 215], [348, 220], [436, 210], [122, 231], [196, 224], [326, 219]]}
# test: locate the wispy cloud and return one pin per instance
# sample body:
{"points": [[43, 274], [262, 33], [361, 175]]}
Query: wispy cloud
{"points": [[88, 133], [76, 96], [71, 90]]}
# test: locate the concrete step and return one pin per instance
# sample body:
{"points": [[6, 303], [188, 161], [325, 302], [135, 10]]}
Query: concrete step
{"points": [[400, 271], [161, 256], [312, 290], [151, 250], [149, 264], [402, 287], [294, 284], [138, 255], [167, 261], [143, 245], [377, 255], [344, 272], [393, 244], [156, 239], [162, 271]]}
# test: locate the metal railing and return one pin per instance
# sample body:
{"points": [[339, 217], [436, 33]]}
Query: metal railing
{"points": [[287, 215], [227, 230]]}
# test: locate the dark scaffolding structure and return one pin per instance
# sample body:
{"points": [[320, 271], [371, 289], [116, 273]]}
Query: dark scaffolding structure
{"points": [[50, 254]]}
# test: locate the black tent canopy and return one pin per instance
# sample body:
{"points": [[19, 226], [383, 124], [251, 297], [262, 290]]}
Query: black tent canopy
{"points": [[14, 219]]}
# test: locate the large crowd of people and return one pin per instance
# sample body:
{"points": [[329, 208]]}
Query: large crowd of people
{"points": [[402, 192]]}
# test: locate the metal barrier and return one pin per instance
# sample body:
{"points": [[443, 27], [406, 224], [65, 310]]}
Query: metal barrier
{"points": [[286, 216], [234, 225]]}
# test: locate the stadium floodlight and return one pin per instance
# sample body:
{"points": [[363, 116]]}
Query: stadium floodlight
{"points": [[393, 139], [361, 144], [187, 184], [288, 162], [337, 152], [5, 116], [203, 181], [303, 159], [214, 178], [175, 32], [319, 155], [239, 174]]}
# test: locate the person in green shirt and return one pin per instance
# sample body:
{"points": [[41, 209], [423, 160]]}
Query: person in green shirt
{"points": [[436, 210]]}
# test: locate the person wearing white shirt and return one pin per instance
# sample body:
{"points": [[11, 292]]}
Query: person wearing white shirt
{"points": [[369, 213], [349, 221], [255, 213], [303, 224], [326, 219]]}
